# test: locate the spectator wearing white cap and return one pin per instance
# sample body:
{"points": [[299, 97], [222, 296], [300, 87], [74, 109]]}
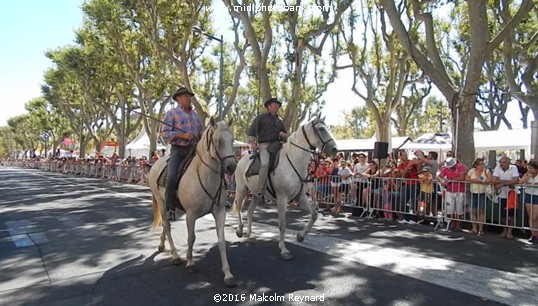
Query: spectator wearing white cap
{"points": [[451, 178]]}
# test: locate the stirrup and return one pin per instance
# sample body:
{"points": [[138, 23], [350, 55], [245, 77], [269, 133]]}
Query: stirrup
{"points": [[171, 215]]}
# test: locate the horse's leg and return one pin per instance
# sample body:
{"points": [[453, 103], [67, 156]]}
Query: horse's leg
{"points": [[167, 232], [191, 221], [220, 218], [307, 205], [282, 202], [250, 213], [240, 195]]}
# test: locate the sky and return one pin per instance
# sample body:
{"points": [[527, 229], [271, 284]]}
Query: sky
{"points": [[28, 28]]}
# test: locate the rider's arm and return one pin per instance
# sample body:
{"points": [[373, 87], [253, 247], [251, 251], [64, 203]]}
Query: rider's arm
{"points": [[252, 133], [283, 134], [167, 132]]}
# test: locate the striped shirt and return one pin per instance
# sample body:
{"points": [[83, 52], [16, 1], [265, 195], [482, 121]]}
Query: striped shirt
{"points": [[180, 120]]}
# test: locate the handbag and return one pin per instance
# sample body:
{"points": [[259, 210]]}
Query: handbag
{"points": [[492, 194], [512, 201]]}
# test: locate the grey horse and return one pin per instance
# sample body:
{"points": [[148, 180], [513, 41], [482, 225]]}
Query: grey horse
{"points": [[201, 191], [288, 181]]}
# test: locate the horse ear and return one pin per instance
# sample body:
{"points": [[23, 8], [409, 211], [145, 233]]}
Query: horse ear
{"points": [[230, 122], [322, 119], [212, 122]]}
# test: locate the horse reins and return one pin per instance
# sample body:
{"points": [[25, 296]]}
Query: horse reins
{"points": [[220, 160], [312, 151]]}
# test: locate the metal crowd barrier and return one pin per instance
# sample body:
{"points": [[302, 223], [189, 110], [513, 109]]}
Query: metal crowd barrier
{"points": [[120, 173], [401, 199]]}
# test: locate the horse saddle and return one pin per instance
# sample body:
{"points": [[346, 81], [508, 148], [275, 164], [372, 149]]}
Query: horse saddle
{"points": [[254, 168], [183, 165]]}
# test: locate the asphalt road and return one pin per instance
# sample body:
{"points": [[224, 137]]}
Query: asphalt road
{"points": [[67, 240]]}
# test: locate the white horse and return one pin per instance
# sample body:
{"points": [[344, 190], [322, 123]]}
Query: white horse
{"points": [[201, 191], [288, 181]]}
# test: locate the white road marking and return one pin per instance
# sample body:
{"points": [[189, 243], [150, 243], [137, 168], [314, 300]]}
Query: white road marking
{"points": [[24, 233]]}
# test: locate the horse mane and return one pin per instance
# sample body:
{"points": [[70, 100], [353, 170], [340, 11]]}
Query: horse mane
{"points": [[203, 143], [293, 135]]}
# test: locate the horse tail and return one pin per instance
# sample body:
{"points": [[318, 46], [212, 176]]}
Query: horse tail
{"points": [[157, 219], [236, 206]]}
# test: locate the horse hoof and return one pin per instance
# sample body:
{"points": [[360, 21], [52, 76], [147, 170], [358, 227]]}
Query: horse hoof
{"points": [[191, 269], [230, 282], [286, 256], [299, 237], [239, 232], [160, 248], [176, 261]]}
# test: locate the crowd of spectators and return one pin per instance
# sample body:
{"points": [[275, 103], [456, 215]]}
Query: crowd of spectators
{"points": [[128, 170], [412, 190]]}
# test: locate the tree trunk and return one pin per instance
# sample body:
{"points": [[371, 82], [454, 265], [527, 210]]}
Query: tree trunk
{"points": [[534, 134], [463, 140]]}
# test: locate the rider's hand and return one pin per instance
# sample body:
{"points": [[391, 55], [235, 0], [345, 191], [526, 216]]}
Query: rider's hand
{"points": [[188, 136]]}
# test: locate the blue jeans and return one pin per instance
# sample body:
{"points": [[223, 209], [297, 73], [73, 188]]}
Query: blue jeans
{"points": [[177, 154]]}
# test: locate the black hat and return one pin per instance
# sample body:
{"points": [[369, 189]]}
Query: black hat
{"points": [[272, 100], [181, 91]]}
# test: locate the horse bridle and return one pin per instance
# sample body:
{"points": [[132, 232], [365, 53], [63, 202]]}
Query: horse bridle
{"points": [[312, 148], [220, 160]]}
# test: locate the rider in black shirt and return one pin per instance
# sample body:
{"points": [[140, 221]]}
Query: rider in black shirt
{"points": [[264, 130]]}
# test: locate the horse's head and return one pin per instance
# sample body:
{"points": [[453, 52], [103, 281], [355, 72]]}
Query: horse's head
{"points": [[222, 145], [319, 136]]}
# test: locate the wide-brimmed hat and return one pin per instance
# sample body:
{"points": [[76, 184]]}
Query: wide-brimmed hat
{"points": [[450, 162], [272, 100], [181, 91]]}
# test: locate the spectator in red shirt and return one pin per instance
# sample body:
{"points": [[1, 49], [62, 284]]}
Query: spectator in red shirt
{"points": [[408, 169], [323, 176]]}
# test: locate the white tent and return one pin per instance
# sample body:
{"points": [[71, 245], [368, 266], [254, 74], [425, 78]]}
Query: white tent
{"points": [[63, 153], [367, 144], [483, 141], [140, 145], [503, 140], [430, 142]]}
